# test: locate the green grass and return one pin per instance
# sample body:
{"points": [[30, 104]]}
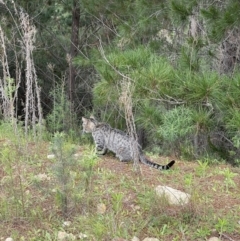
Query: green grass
{"points": [[33, 187]]}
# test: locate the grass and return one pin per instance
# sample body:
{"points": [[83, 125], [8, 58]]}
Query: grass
{"points": [[32, 192]]}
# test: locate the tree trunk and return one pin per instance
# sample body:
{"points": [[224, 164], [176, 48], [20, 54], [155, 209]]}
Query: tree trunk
{"points": [[73, 51]]}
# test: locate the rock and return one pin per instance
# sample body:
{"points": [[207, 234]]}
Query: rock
{"points": [[214, 239], [42, 177], [66, 223], [50, 156], [82, 236], [71, 236], [27, 192], [174, 197], [63, 236], [101, 208], [77, 155], [135, 207], [135, 239], [151, 239], [9, 239]]}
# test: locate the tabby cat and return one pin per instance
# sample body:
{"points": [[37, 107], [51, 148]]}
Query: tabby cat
{"points": [[117, 141]]}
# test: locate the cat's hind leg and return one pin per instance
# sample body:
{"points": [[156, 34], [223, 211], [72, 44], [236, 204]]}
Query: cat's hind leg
{"points": [[122, 158]]}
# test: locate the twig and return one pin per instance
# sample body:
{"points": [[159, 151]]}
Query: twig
{"points": [[170, 99], [172, 102], [227, 237], [105, 58]]}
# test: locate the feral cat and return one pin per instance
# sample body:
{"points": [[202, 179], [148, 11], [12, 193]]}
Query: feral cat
{"points": [[117, 141]]}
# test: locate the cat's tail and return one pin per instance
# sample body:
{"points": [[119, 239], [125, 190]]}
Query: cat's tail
{"points": [[144, 160]]}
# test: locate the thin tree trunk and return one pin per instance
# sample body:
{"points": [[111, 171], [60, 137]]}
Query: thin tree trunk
{"points": [[73, 51]]}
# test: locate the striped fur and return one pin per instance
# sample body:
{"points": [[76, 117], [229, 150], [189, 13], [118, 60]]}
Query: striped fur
{"points": [[117, 141]]}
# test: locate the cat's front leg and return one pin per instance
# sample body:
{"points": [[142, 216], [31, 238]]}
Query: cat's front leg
{"points": [[101, 150]]}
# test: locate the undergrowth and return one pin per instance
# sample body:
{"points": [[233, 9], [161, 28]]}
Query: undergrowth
{"points": [[75, 194]]}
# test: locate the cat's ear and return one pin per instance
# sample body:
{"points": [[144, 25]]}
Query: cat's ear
{"points": [[84, 120], [92, 117]]}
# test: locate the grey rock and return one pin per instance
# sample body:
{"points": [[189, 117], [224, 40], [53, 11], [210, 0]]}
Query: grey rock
{"points": [[174, 197]]}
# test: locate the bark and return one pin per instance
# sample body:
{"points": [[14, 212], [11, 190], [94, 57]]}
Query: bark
{"points": [[73, 50]]}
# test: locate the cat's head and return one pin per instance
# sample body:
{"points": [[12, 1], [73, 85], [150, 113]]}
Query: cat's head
{"points": [[89, 125]]}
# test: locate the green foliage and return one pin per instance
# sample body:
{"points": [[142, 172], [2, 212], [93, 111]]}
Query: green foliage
{"points": [[15, 155], [233, 121], [87, 163], [177, 123], [202, 119], [202, 87], [189, 59], [179, 11], [223, 225], [110, 91], [182, 9], [64, 163], [188, 180], [15, 203], [155, 79], [150, 115], [222, 19], [203, 165], [228, 178], [56, 120], [73, 172], [99, 227], [117, 202], [202, 232], [236, 139], [150, 76], [61, 118]]}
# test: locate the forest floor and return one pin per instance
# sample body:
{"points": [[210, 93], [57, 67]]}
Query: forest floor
{"points": [[107, 200], [188, 176]]}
